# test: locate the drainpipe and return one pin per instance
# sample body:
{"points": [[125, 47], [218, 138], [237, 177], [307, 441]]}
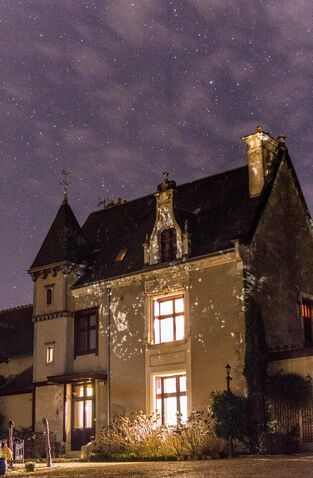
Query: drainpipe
{"points": [[109, 293]]}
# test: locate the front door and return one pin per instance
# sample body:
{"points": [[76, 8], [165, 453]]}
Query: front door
{"points": [[82, 414]]}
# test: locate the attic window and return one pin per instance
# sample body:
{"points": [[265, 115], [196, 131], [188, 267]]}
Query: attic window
{"points": [[120, 256], [168, 244]]}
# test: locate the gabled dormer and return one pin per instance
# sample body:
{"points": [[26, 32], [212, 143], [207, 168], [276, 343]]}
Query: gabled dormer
{"points": [[167, 241]]}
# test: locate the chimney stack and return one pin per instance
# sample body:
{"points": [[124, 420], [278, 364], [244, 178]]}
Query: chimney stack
{"points": [[261, 149]]}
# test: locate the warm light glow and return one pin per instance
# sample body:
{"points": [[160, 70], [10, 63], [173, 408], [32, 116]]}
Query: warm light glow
{"points": [[171, 399], [120, 256], [49, 354]]}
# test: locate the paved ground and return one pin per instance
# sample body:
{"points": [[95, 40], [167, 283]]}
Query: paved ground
{"points": [[259, 467]]}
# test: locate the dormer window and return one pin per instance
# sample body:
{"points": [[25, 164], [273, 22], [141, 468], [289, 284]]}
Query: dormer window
{"points": [[120, 256], [168, 245]]}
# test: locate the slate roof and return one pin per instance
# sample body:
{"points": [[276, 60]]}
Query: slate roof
{"points": [[64, 241], [21, 383], [16, 332], [218, 208]]}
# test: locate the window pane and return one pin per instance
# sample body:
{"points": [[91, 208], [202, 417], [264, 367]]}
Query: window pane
{"points": [[82, 345], [158, 385], [167, 331], [170, 411], [82, 323], [79, 414], [88, 413], [180, 327], [169, 385], [89, 390], [93, 339], [183, 409], [157, 331], [182, 383], [156, 308], [78, 391], [49, 354], [179, 305], [93, 320], [166, 307]]}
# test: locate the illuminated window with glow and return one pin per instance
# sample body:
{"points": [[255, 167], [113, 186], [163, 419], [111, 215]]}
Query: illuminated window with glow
{"points": [[50, 354], [83, 396], [168, 319], [306, 312], [171, 399]]}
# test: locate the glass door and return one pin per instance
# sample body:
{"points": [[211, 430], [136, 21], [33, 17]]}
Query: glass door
{"points": [[83, 401]]}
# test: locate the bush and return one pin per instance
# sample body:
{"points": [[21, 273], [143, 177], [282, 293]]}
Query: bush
{"points": [[30, 466], [230, 413], [138, 437]]}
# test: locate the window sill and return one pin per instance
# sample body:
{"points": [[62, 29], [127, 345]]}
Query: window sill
{"points": [[81, 354], [168, 344]]}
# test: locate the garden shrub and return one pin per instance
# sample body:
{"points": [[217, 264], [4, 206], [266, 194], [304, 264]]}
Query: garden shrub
{"points": [[230, 413], [30, 466], [138, 437]]}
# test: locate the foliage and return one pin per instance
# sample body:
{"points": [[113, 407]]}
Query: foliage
{"points": [[30, 466], [230, 413], [256, 348], [290, 389], [139, 437]]}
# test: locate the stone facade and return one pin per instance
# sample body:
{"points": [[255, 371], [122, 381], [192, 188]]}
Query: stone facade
{"points": [[101, 343]]}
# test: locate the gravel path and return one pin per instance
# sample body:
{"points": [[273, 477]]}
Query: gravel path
{"points": [[258, 467]]}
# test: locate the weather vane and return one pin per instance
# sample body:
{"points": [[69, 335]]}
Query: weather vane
{"points": [[65, 182]]}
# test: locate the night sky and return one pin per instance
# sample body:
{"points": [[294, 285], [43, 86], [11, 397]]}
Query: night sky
{"points": [[117, 91]]}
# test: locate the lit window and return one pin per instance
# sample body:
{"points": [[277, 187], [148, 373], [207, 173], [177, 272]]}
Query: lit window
{"points": [[120, 256], [168, 319], [49, 295], [168, 245], [83, 406], [306, 311], [171, 399], [86, 332], [49, 354]]}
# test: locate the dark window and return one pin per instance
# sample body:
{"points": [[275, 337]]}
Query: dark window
{"points": [[168, 244], [49, 295], [171, 399], [306, 310], [86, 332]]}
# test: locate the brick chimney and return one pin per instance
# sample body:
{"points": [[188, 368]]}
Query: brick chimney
{"points": [[261, 148]]}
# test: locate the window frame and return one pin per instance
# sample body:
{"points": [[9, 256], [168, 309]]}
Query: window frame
{"points": [[50, 346], [49, 299], [159, 318], [83, 399], [164, 395], [168, 246], [82, 315], [306, 315]]}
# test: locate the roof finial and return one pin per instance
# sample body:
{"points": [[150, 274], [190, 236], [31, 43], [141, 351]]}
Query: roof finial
{"points": [[65, 183], [166, 183]]}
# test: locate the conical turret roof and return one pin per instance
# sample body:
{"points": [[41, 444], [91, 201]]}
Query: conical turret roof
{"points": [[64, 242]]}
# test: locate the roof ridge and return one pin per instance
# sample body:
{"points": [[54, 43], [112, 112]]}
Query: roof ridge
{"points": [[16, 307], [127, 202]]}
